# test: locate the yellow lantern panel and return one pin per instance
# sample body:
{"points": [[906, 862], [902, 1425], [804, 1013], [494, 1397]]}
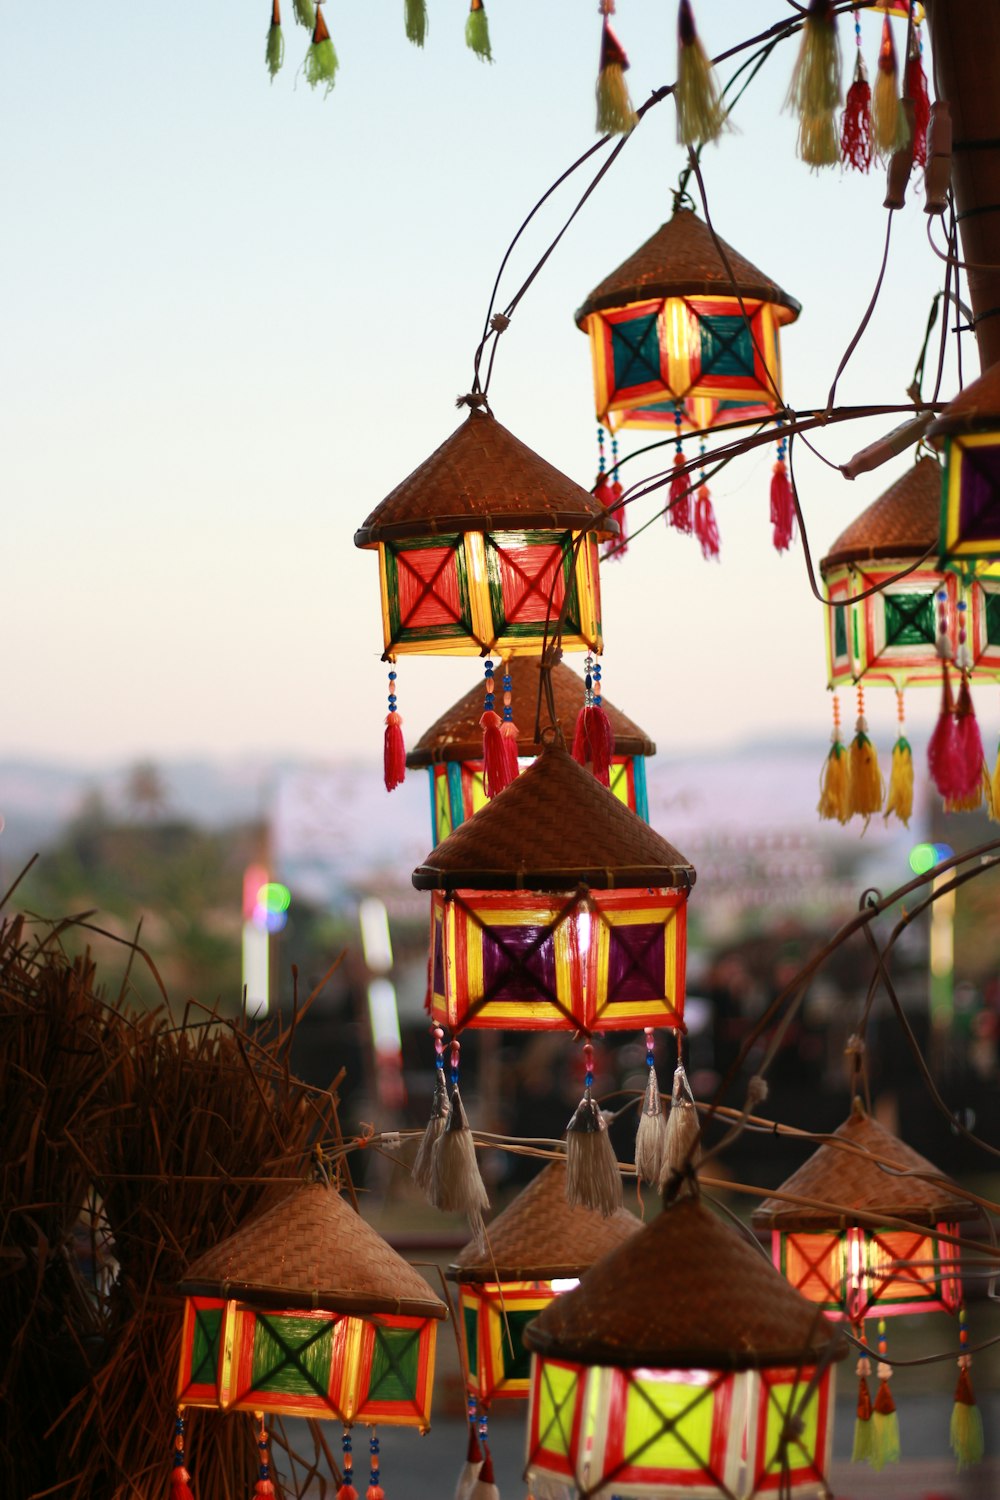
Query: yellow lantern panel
{"points": [[476, 592], [307, 1364], [791, 1432], [857, 1273], [591, 961], [493, 1318]]}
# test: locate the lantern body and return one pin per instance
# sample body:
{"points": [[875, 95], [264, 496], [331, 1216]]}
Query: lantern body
{"points": [[479, 591], [692, 353], [984, 607], [890, 637], [457, 790], [493, 1318], [585, 960], [308, 1364], [856, 1273], [970, 510], [654, 1432]]}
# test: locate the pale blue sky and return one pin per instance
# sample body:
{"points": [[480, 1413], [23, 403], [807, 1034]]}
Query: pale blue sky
{"points": [[237, 315]]}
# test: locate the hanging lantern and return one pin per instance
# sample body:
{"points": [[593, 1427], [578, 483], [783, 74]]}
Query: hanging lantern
{"points": [[452, 748], [969, 429], [483, 547], [556, 907], [538, 1248], [308, 1312], [668, 338], [681, 1364], [846, 1258]]}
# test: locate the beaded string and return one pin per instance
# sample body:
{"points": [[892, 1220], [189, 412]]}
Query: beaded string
{"points": [[963, 656], [374, 1480], [600, 453], [264, 1486], [943, 643], [588, 1063], [437, 1032], [490, 686], [506, 683], [347, 1445], [650, 1058], [456, 1050]]}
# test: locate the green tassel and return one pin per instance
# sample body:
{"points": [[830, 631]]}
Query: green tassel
{"points": [[305, 14], [477, 32], [275, 53], [321, 60], [966, 1422], [885, 1439], [416, 21], [861, 1453]]}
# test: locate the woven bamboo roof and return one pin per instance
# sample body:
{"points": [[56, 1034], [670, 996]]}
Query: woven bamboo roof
{"points": [[540, 1237], [553, 828], [681, 260], [483, 478], [312, 1250], [687, 1291], [862, 1189], [456, 735], [976, 406], [903, 522]]}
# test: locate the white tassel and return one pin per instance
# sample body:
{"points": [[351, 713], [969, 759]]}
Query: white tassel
{"points": [[650, 1138], [423, 1161], [485, 1486], [470, 1469], [682, 1148], [592, 1176], [456, 1186]]}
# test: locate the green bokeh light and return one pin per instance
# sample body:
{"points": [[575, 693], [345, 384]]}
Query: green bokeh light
{"points": [[923, 857], [273, 896]]}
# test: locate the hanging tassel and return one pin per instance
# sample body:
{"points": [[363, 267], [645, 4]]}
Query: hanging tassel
{"points": [[620, 544], [705, 528], [650, 1138], [615, 115], [433, 1130], [916, 89], [485, 1487], [456, 1184], [865, 784], [321, 60], [347, 1490], [477, 32], [970, 757], [995, 790], [782, 503], [415, 21], [815, 90], [264, 1488], [679, 509], [885, 1422], [180, 1479], [497, 772], [473, 1460], [592, 1176], [966, 1421], [899, 800], [701, 114], [593, 736], [856, 124], [508, 729], [682, 1139], [374, 1490], [274, 55], [942, 751], [834, 787], [861, 1453], [394, 751], [889, 126], [305, 13]]}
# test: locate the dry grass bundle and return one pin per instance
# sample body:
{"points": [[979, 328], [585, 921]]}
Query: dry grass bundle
{"points": [[172, 1134]]}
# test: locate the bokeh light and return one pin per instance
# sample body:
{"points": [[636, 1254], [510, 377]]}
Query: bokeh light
{"points": [[274, 897], [924, 857]]}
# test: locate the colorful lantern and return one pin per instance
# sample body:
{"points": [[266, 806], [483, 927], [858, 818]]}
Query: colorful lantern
{"points": [[718, 1381], [969, 429], [556, 907], [452, 749], [308, 1312]]}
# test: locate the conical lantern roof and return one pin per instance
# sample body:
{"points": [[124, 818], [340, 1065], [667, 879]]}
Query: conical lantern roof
{"points": [[904, 522], [553, 828], [681, 260], [685, 1292], [540, 1236], [483, 478], [976, 406], [456, 735], [862, 1188], [312, 1250]]}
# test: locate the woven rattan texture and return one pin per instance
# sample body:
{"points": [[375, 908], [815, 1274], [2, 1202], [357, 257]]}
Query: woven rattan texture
{"points": [[457, 735], [686, 1291], [903, 522], [482, 478], [552, 829], [856, 1183], [313, 1250], [680, 260], [540, 1236], [977, 406]]}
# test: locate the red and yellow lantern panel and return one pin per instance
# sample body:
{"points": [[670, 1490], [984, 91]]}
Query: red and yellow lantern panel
{"points": [[889, 637], [686, 1431], [970, 511], [695, 352], [857, 1273], [590, 960], [475, 592], [984, 608], [494, 1317], [457, 790], [307, 1364]]}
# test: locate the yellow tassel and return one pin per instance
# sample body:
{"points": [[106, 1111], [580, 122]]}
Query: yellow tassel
{"points": [[701, 114], [834, 793], [899, 801], [890, 128], [974, 799], [994, 797], [866, 783], [615, 115], [815, 91]]}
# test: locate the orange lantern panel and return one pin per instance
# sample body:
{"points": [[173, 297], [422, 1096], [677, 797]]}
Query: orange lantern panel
{"points": [[856, 1273]]}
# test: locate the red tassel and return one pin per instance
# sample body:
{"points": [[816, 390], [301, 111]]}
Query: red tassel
{"points": [[180, 1484], [473, 1453], [969, 755], [620, 544], [347, 1492], [509, 733], [679, 514], [782, 508], [942, 752], [496, 762], [594, 741], [263, 1489], [374, 1492], [705, 528], [486, 1472], [856, 125], [916, 88], [395, 752]]}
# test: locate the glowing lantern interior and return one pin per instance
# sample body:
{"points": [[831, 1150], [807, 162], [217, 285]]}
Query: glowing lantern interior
{"points": [[857, 1273]]}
